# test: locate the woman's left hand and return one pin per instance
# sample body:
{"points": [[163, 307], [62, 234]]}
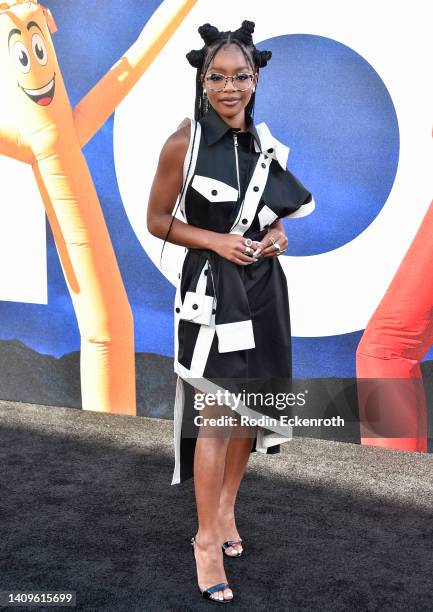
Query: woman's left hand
{"points": [[277, 236]]}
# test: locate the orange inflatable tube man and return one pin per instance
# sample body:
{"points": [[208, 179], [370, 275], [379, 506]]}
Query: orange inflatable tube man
{"points": [[48, 134]]}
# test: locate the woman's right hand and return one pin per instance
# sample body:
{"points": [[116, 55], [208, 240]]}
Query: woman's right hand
{"points": [[232, 247]]}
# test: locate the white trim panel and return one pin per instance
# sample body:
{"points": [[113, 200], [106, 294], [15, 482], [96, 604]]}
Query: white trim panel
{"points": [[304, 209], [213, 189], [266, 216], [235, 336]]}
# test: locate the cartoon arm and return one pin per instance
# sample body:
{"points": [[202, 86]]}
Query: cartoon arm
{"points": [[101, 101], [12, 144]]}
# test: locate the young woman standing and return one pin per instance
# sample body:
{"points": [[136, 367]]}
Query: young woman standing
{"points": [[232, 317]]}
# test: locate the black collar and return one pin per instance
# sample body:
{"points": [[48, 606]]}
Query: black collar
{"points": [[215, 127]]}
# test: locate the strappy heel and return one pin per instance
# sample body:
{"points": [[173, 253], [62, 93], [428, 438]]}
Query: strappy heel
{"points": [[231, 543], [207, 593]]}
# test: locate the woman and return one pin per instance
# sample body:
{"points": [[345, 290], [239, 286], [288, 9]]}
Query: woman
{"points": [[231, 308]]}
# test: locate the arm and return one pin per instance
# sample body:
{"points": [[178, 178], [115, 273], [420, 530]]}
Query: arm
{"points": [[12, 145], [166, 186], [102, 100], [277, 230]]}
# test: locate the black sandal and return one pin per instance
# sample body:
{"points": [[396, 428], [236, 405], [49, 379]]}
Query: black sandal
{"points": [[207, 593], [230, 543]]}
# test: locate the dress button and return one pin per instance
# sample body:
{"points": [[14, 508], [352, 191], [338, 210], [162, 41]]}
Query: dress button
{"points": [[179, 274], [270, 150], [205, 272], [244, 221], [213, 310], [214, 192], [177, 309], [195, 306], [255, 188], [263, 165]]}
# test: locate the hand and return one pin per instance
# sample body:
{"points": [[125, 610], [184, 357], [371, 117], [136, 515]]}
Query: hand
{"points": [[268, 249], [232, 247]]}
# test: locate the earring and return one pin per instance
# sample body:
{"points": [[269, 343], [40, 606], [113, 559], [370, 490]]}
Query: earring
{"points": [[254, 89], [205, 101]]}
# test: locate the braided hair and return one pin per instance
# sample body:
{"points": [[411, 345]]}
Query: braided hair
{"points": [[214, 40]]}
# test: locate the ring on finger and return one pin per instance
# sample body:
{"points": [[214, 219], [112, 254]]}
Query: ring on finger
{"points": [[248, 250], [272, 239], [277, 247], [248, 242]]}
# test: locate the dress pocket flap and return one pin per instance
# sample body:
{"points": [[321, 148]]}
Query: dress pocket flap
{"points": [[197, 307], [214, 190], [266, 216]]}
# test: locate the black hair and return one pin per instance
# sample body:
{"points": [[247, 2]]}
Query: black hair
{"points": [[214, 40]]}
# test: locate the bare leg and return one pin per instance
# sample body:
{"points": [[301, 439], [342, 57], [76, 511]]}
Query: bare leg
{"points": [[209, 464], [238, 454]]}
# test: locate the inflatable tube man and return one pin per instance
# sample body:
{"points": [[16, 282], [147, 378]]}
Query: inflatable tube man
{"points": [[47, 133]]}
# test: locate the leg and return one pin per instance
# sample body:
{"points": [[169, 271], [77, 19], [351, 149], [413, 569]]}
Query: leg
{"points": [[238, 454], [209, 463]]}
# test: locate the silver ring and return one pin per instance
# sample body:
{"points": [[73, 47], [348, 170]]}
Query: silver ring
{"points": [[277, 247], [248, 242], [272, 239], [248, 250]]}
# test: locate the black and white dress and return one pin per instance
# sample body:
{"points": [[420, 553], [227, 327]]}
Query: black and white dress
{"points": [[232, 322]]}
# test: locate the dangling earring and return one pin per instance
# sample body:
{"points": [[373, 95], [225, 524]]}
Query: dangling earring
{"points": [[206, 101], [254, 89]]}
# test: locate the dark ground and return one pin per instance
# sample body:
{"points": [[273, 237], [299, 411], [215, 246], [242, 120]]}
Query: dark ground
{"points": [[87, 505]]}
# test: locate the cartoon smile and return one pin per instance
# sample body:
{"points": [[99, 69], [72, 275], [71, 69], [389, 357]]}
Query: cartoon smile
{"points": [[42, 95]]}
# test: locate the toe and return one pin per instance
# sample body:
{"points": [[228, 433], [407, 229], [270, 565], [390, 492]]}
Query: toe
{"points": [[218, 595], [228, 594]]}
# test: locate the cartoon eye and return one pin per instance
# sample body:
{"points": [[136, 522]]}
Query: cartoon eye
{"points": [[39, 49], [21, 56]]}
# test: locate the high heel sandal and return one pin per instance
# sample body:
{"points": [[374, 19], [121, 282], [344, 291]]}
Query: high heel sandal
{"points": [[231, 543], [215, 587]]}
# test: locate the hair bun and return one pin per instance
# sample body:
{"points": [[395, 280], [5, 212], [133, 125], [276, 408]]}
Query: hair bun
{"points": [[209, 33], [244, 33], [261, 58], [195, 57], [248, 26]]}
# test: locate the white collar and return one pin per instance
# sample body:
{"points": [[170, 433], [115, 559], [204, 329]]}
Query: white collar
{"points": [[280, 151]]}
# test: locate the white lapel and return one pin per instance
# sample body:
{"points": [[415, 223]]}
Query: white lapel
{"points": [[280, 151]]}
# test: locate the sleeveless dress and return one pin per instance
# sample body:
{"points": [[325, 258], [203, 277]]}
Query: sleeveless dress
{"points": [[232, 322]]}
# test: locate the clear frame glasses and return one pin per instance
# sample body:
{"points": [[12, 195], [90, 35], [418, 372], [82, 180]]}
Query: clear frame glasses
{"points": [[217, 81]]}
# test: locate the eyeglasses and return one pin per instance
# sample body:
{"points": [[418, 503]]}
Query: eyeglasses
{"points": [[241, 81]]}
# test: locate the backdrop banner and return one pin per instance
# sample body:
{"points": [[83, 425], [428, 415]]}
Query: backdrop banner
{"points": [[90, 92]]}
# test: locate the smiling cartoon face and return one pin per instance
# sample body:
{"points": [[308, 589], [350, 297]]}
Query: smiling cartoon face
{"points": [[28, 52]]}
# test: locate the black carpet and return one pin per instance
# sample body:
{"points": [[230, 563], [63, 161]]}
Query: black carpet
{"points": [[87, 505]]}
